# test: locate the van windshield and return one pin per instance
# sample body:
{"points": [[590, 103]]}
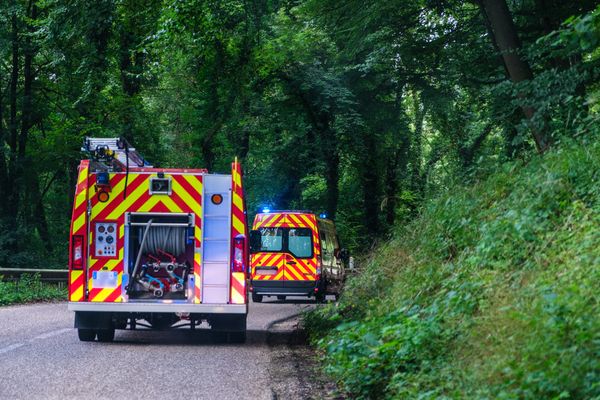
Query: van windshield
{"points": [[296, 241]]}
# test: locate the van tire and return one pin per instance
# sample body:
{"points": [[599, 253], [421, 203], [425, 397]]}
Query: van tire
{"points": [[86, 335], [106, 335], [257, 298], [320, 297]]}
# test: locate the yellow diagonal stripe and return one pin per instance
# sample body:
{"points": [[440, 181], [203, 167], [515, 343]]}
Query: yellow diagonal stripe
{"points": [[194, 204], [104, 293], [80, 198], [237, 201], [83, 174], [78, 223], [237, 224], [131, 198]]}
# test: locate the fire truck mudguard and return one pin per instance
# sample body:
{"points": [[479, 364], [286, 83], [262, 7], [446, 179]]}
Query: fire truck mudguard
{"points": [[155, 247]]}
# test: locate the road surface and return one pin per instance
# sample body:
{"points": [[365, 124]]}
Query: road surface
{"points": [[42, 358]]}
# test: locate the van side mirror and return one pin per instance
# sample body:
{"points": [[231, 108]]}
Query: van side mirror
{"points": [[255, 241]]}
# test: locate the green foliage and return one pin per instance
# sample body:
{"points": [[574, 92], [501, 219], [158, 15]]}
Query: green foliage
{"points": [[29, 288], [491, 293]]}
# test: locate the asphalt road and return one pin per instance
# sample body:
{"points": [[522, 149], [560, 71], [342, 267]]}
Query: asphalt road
{"points": [[42, 358]]}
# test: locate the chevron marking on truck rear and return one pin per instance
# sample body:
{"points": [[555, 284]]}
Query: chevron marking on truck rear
{"points": [[78, 227], [185, 197], [238, 288], [76, 285], [197, 278], [238, 227]]}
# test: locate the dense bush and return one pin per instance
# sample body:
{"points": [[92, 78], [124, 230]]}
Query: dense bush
{"points": [[28, 289], [491, 293]]}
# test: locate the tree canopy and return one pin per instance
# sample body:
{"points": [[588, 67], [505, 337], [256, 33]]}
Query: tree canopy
{"points": [[362, 110]]}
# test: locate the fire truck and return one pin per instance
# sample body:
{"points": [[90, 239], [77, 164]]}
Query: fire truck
{"points": [[154, 247]]}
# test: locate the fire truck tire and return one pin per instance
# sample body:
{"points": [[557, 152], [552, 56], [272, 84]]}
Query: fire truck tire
{"points": [[86, 335], [257, 298], [237, 337], [106, 335]]}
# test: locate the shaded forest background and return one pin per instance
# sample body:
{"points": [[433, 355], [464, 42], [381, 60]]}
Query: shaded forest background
{"points": [[360, 109]]}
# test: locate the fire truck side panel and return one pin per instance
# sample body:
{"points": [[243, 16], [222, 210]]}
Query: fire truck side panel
{"points": [[78, 236], [238, 294]]}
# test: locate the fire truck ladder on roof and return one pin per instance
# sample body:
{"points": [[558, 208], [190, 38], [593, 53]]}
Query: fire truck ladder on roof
{"points": [[114, 153]]}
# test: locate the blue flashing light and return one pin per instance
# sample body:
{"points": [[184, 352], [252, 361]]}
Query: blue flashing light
{"points": [[323, 215], [102, 178], [266, 210]]}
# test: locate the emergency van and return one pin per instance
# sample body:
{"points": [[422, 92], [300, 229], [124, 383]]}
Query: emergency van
{"points": [[155, 247], [295, 253]]}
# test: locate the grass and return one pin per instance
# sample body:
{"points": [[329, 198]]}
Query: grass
{"points": [[493, 293], [29, 289]]}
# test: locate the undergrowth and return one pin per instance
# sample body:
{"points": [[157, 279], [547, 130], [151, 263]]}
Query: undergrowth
{"points": [[29, 289], [493, 293]]}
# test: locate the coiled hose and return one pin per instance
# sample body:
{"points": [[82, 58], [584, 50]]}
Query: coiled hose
{"points": [[170, 239]]}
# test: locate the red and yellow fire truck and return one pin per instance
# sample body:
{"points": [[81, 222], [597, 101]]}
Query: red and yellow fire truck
{"points": [[295, 253], [155, 247]]}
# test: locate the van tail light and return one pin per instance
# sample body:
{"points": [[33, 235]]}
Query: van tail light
{"points": [[237, 264], [77, 252], [318, 271]]}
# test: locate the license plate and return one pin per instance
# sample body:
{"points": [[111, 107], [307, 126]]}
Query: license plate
{"points": [[104, 279], [266, 271]]}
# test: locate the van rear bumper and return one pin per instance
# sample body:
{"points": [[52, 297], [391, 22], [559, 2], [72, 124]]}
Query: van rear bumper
{"points": [[135, 307], [287, 288]]}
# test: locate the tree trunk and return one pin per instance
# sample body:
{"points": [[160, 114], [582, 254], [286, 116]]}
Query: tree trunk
{"points": [[507, 40], [11, 194], [370, 186], [28, 77], [332, 175], [39, 214], [3, 165]]}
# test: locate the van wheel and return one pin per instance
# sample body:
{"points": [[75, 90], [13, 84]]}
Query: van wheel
{"points": [[257, 298], [86, 335], [320, 297], [280, 297], [106, 335]]}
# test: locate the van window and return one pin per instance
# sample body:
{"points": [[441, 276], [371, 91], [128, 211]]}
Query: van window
{"points": [[297, 241], [271, 239], [300, 242]]}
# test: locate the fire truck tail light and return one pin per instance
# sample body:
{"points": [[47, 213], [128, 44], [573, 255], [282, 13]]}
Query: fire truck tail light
{"points": [[238, 255], [77, 252]]}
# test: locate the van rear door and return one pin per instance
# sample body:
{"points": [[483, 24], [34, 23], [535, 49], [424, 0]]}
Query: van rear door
{"points": [[269, 260], [300, 263]]}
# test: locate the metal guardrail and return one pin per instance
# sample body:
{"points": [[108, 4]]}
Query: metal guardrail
{"points": [[46, 275]]}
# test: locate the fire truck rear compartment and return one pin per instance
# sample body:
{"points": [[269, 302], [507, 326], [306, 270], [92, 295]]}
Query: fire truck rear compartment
{"points": [[160, 255]]}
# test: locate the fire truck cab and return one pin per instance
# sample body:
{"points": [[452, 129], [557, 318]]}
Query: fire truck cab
{"points": [[295, 253], [155, 247]]}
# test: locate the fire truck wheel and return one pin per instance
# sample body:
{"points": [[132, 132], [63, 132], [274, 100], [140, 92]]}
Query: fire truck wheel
{"points": [[257, 298], [106, 335], [237, 337], [86, 335]]}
